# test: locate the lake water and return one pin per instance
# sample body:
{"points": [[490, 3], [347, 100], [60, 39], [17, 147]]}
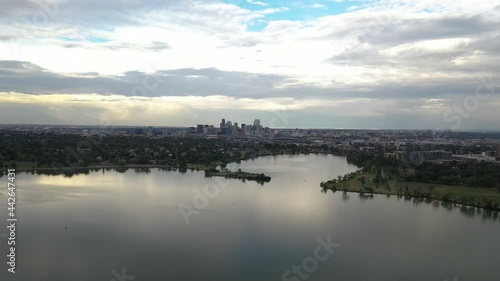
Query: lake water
{"points": [[130, 223]]}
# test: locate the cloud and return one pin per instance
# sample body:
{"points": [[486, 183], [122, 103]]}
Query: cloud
{"points": [[94, 109], [257, 3], [395, 55], [155, 46], [158, 46], [433, 27], [318, 6], [27, 78]]}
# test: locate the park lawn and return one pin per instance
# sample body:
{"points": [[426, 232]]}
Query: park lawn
{"points": [[457, 191], [20, 165], [436, 190], [28, 166]]}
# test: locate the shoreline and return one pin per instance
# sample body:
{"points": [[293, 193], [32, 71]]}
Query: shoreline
{"points": [[478, 197], [188, 166], [244, 176], [111, 166], [210, 171], [484, 198]]}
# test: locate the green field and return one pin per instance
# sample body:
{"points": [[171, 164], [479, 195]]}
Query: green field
{"points": [[473, 196], [19, 165]]}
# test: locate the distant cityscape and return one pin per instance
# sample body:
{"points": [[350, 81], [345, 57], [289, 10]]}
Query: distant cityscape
{"points": [[414, 146], [209, 131], [232, 129]]}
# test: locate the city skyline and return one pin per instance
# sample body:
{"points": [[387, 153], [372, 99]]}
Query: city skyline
{"points": [[250, 139], [328, 64], [230, 128]]}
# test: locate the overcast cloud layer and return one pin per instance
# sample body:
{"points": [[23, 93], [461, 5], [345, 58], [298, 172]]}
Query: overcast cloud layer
{"points": [[330, 64]]}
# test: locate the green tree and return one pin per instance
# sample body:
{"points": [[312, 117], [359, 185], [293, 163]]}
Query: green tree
{"points": [[362, 180]]}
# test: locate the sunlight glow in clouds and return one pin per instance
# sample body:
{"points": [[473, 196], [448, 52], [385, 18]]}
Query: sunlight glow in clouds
{"points": [[304, 56]]}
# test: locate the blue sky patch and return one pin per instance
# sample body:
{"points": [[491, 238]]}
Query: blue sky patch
{"points": [[91, 39], [296, 10]]}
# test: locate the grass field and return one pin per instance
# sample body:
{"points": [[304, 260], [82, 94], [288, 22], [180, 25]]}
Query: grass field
{"points": [[473, 196]]}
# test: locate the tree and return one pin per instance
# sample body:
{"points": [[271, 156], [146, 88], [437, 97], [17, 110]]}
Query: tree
{"points": [[362, 180], [369, 189]]}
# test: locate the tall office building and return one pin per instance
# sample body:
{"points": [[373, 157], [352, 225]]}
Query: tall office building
{"points": [[223, 123], [211, 130], [497, 154], [256, 123], [235, 130], [199, 129], [229, 127]]}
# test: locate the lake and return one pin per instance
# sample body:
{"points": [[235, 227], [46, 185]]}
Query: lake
{"points": [[167, 225]]}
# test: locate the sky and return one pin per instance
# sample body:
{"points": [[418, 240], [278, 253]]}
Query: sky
{"points": [[378, 64]]}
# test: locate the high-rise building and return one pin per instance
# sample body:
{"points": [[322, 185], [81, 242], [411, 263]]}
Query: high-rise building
{"points": [[199, 129], [229, 127], [497, 154], [256, 123], [235, 129], [223, 123]]}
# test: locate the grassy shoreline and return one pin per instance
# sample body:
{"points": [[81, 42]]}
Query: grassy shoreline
{"points": [[363, 183], [260, 178], [487, 198], [108, 166], [31, 166], [210, 171]]}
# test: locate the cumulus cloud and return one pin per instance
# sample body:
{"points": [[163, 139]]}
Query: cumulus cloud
{"points": [[318, 6], [257, 3], [394, 60]]}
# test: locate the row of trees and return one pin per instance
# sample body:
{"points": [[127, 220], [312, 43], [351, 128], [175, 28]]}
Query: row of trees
{"points": [[46, 150], [474, 174], [480, 174]]}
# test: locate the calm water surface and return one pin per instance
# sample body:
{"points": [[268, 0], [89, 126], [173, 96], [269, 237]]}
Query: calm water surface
{"points": [[247, 231]]}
